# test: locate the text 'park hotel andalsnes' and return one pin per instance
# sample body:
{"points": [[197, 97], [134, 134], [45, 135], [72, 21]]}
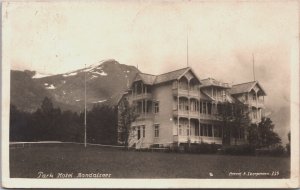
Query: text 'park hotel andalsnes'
{"points": [[177, 107]]}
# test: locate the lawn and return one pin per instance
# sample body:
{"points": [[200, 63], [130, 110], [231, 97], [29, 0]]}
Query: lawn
{"points": [[53, 159]]}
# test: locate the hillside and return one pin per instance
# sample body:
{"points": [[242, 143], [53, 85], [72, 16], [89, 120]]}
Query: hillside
{"points": [[104, 81]]}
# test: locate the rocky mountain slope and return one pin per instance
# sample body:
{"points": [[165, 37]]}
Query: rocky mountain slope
{"points": [[105, 81]]}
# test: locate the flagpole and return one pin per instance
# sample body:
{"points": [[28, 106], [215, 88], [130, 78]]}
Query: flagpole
{"points": [[253, 66], [187, 48], [85, 106]]}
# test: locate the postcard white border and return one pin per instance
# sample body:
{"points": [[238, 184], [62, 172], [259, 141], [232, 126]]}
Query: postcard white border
{"points": [[293, 182]]}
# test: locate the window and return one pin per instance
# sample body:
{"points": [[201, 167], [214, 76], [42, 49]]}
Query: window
{"points": [[156, 130], [209, 108], [201, 107], [187, 131], [241, 133], [204, 107], [196, 131], [254, 114], [217, 131], [209, 130], [156, 107], [180, 129], [144, 131]]}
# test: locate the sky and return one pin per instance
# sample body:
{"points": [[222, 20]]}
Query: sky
{"points": [[59, 36]]}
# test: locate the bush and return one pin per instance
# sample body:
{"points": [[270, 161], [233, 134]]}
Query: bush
{"points": [[239, 150], [277, 151], [203, 148]]}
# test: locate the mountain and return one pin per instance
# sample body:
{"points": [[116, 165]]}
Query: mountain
{"points": [[105, 81]]}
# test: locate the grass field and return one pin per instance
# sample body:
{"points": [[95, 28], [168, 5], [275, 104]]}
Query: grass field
{"points": [[70, 158]]}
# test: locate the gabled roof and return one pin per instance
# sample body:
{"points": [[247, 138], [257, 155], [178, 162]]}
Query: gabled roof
{"points": [[165, 77], [173, 75], [213, 82], [245, 87], [146, 78]]}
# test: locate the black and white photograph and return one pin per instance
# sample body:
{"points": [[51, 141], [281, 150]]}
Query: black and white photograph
{"points": [[150, 94]]}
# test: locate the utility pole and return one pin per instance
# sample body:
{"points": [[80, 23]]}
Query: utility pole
{"points": [[85, 106], [253, 66], [187, 48]]}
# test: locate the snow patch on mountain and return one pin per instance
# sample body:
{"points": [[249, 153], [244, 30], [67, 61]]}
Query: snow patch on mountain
{"points": [[51, 87], [94, 76], [102, 73], [70, 74], [100, 101], [46, 84], [40, 75]]}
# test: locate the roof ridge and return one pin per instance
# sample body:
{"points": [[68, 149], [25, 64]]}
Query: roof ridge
{"points": [[147, 74], [244, 83], [173, 71]]}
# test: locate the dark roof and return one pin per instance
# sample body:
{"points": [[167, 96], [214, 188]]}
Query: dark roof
{"points": [[173, 75], [147, 78], [203, 96], [213, 82], [165, 77], [245, 87]]}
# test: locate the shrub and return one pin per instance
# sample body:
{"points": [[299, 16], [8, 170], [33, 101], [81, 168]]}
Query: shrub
{"points": [[239, 150], [203, 148], [277, 151]]}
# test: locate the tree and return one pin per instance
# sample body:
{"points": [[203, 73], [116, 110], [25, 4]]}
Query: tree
{"points": [[234, 118], [263, 135], [127, 115], [266, 133], [241, 121], [288, 145], [102, 125]]}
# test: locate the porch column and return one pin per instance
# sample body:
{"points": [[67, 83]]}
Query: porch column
{"points": [[199, 134], [146, 102], [213, 132], [142, 107], [178, 110], [256, 105]]}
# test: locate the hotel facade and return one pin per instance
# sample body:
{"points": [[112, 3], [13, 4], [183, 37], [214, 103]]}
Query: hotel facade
{"points": [[177, 108]]}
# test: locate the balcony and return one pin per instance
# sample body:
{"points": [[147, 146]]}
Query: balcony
{"points": [[180, 92], [194, 114], [208, 117], [253, 103], [186, 93], [142, 96], [181, 113], [194, 93]]}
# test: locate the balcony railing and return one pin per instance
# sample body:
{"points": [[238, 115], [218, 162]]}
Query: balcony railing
{"points": [[194, 93], [141, 96], [182, 113], [185, 92], [259, 103], [194, 114], [208, 117]]}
